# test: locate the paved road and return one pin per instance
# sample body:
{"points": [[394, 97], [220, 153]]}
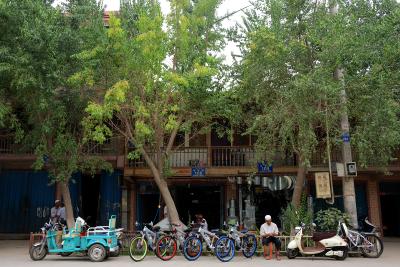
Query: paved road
{"points": [[14, 254]]}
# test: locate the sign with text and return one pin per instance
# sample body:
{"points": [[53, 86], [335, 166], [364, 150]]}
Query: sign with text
{"points": [[264, 167], [198, 171], [323, 185], [346, 137]]}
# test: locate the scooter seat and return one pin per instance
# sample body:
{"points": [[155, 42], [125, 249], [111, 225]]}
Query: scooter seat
{"points": [[318, 236]]}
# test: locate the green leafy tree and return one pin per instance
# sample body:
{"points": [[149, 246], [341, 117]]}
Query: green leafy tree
{"points": [[37, 60], [154, 80], [290, 51]]}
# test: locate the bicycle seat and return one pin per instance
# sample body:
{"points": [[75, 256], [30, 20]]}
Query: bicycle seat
{"points": [[156, 228], [243, 231]]}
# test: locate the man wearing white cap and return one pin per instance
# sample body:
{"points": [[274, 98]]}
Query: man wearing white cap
{"points": [[55, 211], [268, 233]]}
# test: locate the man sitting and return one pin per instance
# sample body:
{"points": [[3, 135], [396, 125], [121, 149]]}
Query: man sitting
{"points": [[268, 233]]}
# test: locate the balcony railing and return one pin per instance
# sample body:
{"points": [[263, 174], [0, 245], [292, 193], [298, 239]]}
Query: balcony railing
{"points": [[240, 156], [110, 147], [8, 146]]}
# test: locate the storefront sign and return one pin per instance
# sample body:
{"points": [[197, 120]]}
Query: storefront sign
{"points": [[276, 183], [264, 167], [323, 185], [198, 171]]}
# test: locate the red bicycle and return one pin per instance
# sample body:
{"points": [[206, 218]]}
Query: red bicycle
{"points": [[167, 245]]}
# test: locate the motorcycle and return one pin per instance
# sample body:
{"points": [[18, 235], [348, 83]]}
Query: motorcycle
{"points": [[328, 244], [96, 242]]}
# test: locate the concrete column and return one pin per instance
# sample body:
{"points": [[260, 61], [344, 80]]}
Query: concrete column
{"points": [[374, 204]]}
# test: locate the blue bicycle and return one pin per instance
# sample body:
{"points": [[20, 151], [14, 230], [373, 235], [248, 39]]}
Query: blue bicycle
{"points": [[223, 247]]}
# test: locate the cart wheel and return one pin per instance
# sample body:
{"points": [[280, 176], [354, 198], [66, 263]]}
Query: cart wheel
{"points": [[65, 254], [37, 253], [97, 253]]}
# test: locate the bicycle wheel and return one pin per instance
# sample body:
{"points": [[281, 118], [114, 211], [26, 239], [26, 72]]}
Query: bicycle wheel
{"points": [[372, 246], [138, 248], [249, 245], [224, 249], [166, 248], [192, 248]]}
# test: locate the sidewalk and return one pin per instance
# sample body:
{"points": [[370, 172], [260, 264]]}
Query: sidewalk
{"points": [[15, 254]]}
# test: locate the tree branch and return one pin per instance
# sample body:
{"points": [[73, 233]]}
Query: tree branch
{"points": [[173, 136]]}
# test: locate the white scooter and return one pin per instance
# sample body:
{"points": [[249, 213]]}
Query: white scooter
{"points": [[328, 244]]}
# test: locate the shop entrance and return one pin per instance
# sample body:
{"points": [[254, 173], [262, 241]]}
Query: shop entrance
{"points": [[90, 192], [270, 202], [198, 199], [390, 208]]}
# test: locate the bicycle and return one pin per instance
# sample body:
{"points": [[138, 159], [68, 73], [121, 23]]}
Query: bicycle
{"points": [[168, 244], [146, 239], [243, 240], [193, 246], [368, 243]]}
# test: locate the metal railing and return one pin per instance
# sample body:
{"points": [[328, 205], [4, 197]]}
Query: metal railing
{"points": [[110, 147], [182, 157], [227, 156], [232, 156], [320, 158], [307, 241], [9, 146]]}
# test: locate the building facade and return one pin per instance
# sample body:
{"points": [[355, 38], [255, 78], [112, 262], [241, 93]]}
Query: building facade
{"points": [[212, 176]]}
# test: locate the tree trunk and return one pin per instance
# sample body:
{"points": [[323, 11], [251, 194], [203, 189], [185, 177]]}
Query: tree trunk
{"points": [[299, 185], [173, 214], [68, 204], [164, 190]]}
